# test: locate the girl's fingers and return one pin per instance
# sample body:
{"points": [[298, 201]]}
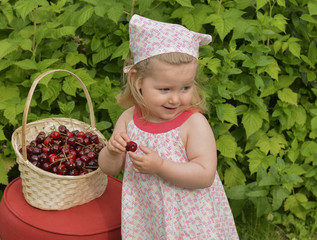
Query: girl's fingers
{"points": [[125, 137], [144, 149]]}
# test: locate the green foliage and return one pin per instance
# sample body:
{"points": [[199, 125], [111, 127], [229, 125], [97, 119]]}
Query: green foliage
{"points": [[259, 76]]}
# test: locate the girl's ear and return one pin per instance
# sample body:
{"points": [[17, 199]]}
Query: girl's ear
{"points": [[133, 75]]}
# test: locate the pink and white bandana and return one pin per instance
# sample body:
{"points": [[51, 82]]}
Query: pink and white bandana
{"points": [[149, 38]]}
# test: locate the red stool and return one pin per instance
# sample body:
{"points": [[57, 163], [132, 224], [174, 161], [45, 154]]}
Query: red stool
{"points": [[99, 219]]}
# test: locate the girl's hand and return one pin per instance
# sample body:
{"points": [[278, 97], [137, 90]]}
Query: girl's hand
{"points": [[151, 162], [118, 142]]}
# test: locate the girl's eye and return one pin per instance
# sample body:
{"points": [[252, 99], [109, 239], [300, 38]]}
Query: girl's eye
{"points": [[164, 89], [186, 88]]}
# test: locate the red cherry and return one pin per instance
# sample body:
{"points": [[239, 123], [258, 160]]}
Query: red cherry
{"points": [[46, 166], [52, 158], [94, 139], [86, 141], [70, 164], [69, 134], [62, 129], [62, 170], [55, 135], [91, 155], [74, 172], [131, 146], [46, 149], [81, 134]]}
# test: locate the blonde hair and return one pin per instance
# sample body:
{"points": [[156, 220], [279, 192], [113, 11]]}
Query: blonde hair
{"points": [[132, 96]]}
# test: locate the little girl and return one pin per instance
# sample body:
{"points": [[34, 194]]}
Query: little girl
{"points": [[171, 189]]}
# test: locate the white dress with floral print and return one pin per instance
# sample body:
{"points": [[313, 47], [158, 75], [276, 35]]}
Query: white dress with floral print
{"points": [[154, 209]]}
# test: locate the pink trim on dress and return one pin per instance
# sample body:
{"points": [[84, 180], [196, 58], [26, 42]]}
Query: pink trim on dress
{"points": [[162, 127]]}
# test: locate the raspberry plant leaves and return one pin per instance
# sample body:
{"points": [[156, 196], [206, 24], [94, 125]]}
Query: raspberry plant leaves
{"points": [[259, 76]]}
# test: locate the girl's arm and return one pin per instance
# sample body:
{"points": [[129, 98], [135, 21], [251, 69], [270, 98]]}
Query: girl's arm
{"points": [[112, 156], [201, 150]]}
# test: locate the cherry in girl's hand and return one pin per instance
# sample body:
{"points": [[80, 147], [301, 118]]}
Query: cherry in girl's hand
{"points": [[131, 146]]}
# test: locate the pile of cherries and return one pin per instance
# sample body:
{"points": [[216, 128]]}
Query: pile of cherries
{"points": [[65, 152]]}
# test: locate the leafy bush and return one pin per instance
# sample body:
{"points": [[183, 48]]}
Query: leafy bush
{"points": [[259, 76]]}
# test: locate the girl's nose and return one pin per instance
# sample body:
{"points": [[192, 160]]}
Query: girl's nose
{"points": [[174, 99]]}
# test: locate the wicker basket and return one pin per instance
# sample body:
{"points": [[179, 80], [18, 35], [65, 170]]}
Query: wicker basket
{"points": [[49, 191]]}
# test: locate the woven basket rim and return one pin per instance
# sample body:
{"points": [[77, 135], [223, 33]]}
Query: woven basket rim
{"points": [[43, 172]]}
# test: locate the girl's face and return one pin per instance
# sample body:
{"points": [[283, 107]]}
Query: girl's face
{"points": [[168, 89]]}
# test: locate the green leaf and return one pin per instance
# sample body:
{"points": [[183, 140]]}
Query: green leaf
{"points": [[252, 122], [51, 92], [121, 51], [257, 193], [257, 159], [144, 5], [234, 176], [312, 52], [7, 11], [73, 58], [288, 96], [312, 7], [295, 49], [313, 123], [308, 148], [295, 169], [268, 181], [3, 172], [280, 22], [2, 136], [309, 18], [95, 44], [193, 22], [271, 144], [260, 3], [24, 7], [8, 92], [273, 69], [27, 64], [226, 21], [65, 31], [311, 172], [102, 54], [26, 44], [5, 63], [300, 115], [227, 146], [185, 3], [264, 61], [227, 112], [70, 86], [212, 63], [42, 65], [279, 194], [83, 74], [14, 107], [103, 125], [83, 16], [115, 11], [262, 206], [292, 204], [293, 154], [291, 178], [236, 192], [6, 47], [66, 108], [281, 3]]}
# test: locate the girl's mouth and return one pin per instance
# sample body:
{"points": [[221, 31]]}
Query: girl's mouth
{"points": [[170, 108]]}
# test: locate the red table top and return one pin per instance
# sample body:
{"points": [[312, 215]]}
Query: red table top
{"points": [[100, 215]]}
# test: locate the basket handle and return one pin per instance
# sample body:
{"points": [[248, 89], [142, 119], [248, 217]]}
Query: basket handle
{"points": [[29, 98]]}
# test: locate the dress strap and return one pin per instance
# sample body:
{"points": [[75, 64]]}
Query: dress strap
{"points": [[162, 127]]}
